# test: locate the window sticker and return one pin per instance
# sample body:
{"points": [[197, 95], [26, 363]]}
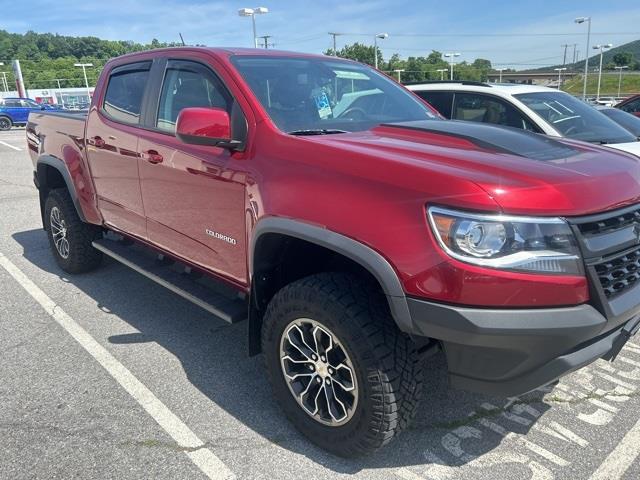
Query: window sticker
{"points": [[323, 105]]}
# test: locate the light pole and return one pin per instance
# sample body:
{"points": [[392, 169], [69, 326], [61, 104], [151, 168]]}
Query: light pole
{"points": [[380, 36], [586, 60], [398, 72], [560, 70], [5, 85], [624, 67], [86, 82], [442, 72], [252, 12], [451, 56], [500, 70], [60, 91], [602, 48]]}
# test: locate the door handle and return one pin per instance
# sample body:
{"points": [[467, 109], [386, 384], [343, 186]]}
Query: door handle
{"points": [[97, 142], [152, 156]]}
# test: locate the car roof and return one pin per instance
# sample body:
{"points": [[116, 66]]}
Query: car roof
{"points": [[506, 89]]}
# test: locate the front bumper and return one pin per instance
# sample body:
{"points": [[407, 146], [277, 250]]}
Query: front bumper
{"points": [[513, 351]]}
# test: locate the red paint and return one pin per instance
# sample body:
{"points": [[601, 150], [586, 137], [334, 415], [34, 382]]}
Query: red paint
{"points": [[210, 123], [372, 186]]}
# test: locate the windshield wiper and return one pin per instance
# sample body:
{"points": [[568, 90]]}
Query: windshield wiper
{"points": [[316, 131]]}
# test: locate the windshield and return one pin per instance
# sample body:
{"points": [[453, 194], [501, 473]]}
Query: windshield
{"points": [[575, 119], [624, 119], [327, 95]]}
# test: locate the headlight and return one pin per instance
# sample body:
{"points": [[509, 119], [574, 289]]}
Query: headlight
{"points": [[527, 244]]}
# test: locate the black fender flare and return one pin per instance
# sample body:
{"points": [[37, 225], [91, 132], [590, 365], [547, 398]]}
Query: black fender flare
{"points": [[365, 256], [61, 167]]}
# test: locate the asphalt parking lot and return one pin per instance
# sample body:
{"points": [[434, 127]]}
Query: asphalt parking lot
{"points": [[108, 375]]}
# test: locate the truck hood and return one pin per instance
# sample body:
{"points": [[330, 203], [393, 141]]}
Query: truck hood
{"points": [[523, 172]]}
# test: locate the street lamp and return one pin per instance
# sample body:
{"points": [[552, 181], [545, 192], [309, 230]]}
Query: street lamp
{"points": [[560, 70], [252, 12], [602, 48], [380, 36], [586, 60], [399, 71], [442, 72], [624, 67], [451, 56], [86, 82], [500, 70]]}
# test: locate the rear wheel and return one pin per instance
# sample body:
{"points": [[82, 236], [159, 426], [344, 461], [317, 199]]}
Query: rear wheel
{"points": [[343, 373], [69, 237], [5, 123]]}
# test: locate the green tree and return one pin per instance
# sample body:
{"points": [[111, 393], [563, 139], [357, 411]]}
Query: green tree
{"points": [[623, 58]]}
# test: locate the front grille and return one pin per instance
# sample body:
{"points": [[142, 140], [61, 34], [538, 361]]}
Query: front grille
{"points": [[619, 273], [610, 224]]}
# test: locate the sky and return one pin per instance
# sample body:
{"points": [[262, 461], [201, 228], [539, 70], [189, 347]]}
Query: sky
{"points": [[516, 33]]}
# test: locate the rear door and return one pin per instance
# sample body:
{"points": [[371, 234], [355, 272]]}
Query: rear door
{"points": [[18, 112], [112, 147], [194, 195]]}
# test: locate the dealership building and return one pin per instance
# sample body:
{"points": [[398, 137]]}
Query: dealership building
{"points": [[66, 97]]}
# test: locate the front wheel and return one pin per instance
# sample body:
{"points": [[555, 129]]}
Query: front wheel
{"points": [[69, 237], [343, 373]]}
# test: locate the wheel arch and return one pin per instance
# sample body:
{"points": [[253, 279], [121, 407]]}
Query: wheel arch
{"points": [[270, 238], [51, 172]]}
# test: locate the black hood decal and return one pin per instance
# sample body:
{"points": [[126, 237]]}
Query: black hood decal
{"points": [[493, 137]]}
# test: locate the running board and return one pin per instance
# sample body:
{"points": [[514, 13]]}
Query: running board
{"points": [[212, 296]]}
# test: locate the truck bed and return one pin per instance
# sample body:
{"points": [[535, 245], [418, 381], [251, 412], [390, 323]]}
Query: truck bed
{"points": [[59, 129]]}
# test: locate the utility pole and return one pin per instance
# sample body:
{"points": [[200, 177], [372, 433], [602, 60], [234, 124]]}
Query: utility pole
{"points": [[335, 49], [564, 57], [266, 40], [574, 53]]}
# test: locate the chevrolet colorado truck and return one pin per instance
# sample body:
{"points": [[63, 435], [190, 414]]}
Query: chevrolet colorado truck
{"points": [[355, 230]]}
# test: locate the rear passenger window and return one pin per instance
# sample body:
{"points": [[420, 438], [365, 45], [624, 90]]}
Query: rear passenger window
{"points": [[476, 107], [441, 101], [123, 98], [189, 84]]}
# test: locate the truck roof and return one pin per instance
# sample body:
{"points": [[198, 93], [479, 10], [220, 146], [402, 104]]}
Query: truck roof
{"points": [[225, 51]]}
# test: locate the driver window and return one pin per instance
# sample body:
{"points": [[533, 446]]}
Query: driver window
{"points": [[477, 107], [188, 84], [631, 107]]}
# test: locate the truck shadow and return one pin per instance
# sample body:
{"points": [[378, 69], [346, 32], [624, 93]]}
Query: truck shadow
{"points": [[446, 430]]}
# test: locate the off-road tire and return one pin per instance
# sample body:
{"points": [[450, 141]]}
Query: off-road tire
{"points": [[388, 368], [82, 257]]}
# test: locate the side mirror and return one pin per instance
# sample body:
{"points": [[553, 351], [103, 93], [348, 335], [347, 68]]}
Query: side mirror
{"points": [[205, 126]]}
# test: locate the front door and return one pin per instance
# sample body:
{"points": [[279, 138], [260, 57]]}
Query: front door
{"points": [[194, 196], [112, 148]]}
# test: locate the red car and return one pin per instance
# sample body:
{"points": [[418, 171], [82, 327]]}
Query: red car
{"points": [[630, 105], [357, 232]]}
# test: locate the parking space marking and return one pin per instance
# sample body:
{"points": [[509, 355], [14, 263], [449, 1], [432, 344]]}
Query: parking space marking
{"points": [[621, 458], [10, 146], [193, 447]]}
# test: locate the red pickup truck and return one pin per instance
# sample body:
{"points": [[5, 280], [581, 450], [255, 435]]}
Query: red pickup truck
{"points": [[356, 230]]}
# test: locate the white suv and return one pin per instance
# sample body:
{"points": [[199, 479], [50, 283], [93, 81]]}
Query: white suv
{"points": [[537, 109]]}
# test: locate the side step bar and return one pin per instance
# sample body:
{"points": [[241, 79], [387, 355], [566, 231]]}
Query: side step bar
{"points": [[216, 299]]}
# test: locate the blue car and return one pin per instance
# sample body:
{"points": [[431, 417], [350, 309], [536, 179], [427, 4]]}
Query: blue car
{"points": [[15, 111]]}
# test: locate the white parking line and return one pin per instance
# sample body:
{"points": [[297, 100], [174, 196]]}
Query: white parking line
{"points": [[618, 461], [195, 449], [10, 146]]}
